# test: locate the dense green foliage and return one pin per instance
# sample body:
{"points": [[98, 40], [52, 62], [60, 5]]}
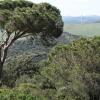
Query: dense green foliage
{"points": [[9, 5], [72, 70], [70, 73], [76, 68], [17, 94]]}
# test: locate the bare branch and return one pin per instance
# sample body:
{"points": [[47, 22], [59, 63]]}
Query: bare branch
{"points": [[21, 34]]}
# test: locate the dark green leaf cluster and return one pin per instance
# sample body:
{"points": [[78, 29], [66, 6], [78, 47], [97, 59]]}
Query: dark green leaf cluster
{"points": [[11, 4]]}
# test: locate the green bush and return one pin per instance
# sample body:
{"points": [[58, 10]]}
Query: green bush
{"points": [[20, 66], [16, 94]]}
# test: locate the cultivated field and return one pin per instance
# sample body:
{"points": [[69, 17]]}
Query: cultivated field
{"points": [[83, 29]]}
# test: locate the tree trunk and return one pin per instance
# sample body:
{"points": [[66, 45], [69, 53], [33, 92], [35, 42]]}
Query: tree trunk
{"points": [[1, 72], [3, 55]]}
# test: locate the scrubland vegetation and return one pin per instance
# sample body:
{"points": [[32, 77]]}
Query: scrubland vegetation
{"points": [[71, 72], [37, 69]]}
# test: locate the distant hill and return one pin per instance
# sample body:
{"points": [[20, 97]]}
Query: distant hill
{"points": [[81, 19], [98, 21], [28, 47], [67, 37]]}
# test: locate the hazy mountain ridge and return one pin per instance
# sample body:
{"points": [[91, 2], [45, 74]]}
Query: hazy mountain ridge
{"points": [[81, 19]]}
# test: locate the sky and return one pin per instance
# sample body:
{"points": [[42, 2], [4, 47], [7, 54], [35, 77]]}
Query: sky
{"points": [[75, 7]]}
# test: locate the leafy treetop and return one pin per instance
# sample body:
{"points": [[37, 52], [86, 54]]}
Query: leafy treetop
{"points": [[26, 17], [19, 19]]}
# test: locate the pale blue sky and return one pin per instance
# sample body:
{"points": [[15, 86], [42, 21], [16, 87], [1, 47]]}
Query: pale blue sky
{"points": [[75, 7]]}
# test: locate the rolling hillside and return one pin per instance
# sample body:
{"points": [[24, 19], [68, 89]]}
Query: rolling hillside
{"points": [[89, 30], [35, 47]]}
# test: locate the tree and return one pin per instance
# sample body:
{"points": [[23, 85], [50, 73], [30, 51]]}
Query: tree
{"points": [[19, 19]]}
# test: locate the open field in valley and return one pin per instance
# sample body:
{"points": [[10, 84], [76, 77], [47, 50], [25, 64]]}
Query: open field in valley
{"points": [[92, 29]]}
